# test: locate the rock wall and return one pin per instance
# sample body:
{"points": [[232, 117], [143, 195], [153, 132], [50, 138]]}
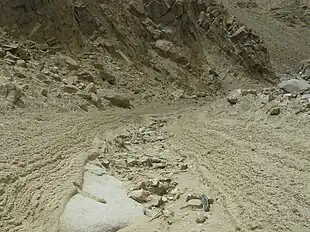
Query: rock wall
{"points": [[177, 29]]}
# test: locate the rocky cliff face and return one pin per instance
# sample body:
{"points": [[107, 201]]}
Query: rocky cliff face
{"points": [[181, 30]]}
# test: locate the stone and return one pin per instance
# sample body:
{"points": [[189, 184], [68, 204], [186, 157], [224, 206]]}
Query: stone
{"points": [[10, 56], [95, 99], [105, 76], [71, 80], [98, 65], [140, 195], [274, 111], [9, 61], [14, 93], [44, 92], [294, 86], [83, 94], [240, 33], [91, 88], [70, 89], [201, 218], [21, 63], [234, 96], [154, 201], [184, 166], [82, 213], [178, 93], [116, 99], [73, 64], [85, 76], [84, 106], [41, 77], [131, 162], [11, 47], [20, 75], [56, 77], [2, 53]]}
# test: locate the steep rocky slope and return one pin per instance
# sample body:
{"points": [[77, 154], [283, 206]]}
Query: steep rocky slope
{"points": [[282, 24]]}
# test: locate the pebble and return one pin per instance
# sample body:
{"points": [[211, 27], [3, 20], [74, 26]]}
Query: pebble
{"points": [[234, 96], [140, 195], [201, 218], [275, 111], [44, 92]]}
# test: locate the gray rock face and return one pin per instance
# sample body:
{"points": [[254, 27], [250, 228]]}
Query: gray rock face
{"points": [[83, 214], [294, 85]]}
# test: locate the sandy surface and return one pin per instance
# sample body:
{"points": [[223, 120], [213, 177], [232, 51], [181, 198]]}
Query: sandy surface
{"points": [[257, 167]]}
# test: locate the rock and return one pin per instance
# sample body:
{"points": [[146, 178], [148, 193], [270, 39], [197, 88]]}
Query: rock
{"points": [[10, 56], [91, 88], [25, 87], [154, 201], [140, 195], [70, 89], [234, 96], [107, 77], [56, 77], [178, 94], [20, 75], [84, 214], [11, 47], [306, 96], [131, 162], [274, 111], [201, 218], [85, 76], [44, 92], [116, 99], [71, 80], [136, 8], [83, 94], [9, 61], [14, 93], [2, 53], [294, 85], [95, 99], [184, 166], [70, 61], [120, 164], [21, 63], [84, 106], [98, 66], [41, 77], [240, 33]]}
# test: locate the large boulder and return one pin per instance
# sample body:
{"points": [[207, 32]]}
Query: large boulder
{"points": [[83, 214], [117, 99], [294, 85]]}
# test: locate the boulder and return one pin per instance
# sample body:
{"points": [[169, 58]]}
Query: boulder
{"points": [[73, 64], [10, 92], [116, 99], [234, 96], [108, 77], [294, 86], [21, 63], [91, 88], [70, 89], [83, 214], [85, 76], [140, 195]]}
